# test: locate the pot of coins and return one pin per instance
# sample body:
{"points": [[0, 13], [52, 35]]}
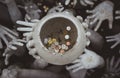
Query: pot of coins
{"points": [[59, 38]]}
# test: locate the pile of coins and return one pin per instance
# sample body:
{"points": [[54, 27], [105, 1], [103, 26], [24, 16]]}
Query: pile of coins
{"points": [[59, 46]]}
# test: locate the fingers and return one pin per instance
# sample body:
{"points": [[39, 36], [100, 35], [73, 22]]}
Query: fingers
{"points": [[111, 40], [94, 21], [92, 16], [20, 40], [4, 39], [112, 63], [35, 20], [39, 11], [30, 44], [89, 2], [26, 23], [9, 35], [33, 53], [117, 17], [17, 42], [10, 31], [73, 66], [6, 51], [83, 3], [117, 12], [85, 25], [110, 23], [80, 18], [98, 26], [114, 45], [67, 2], [77, 69], [107, 37], [7, 56], [7, 59], [28, 35], [12, 47], [107, 64], [90, 11], [117, 64], [1, 46], [76, 61], [74, 2], [25, 29]]}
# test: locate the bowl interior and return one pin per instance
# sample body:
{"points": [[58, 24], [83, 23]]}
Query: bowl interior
{"points": [[59, 30]]}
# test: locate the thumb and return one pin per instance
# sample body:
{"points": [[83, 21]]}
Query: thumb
{"points": [[110, 23]]}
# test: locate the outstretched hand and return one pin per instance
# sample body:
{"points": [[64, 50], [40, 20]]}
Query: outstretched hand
{"points": [[114, 38], [104, 11], [88, 60], [11, 49], [6, 33]]}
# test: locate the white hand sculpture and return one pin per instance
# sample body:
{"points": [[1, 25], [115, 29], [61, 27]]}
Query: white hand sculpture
{"points": [[89, 60], [28, 34], [114, 38], [11, 49], [87, 2], [104, 11], [6, 33], [39, 62], [28, 28], [112, 67]]}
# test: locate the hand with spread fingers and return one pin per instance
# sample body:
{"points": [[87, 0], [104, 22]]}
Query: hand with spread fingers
{"points": [[103, 11], [114, 38], [112, 67], [6, 33], [88, 60], [11, 49], [27, 29]]}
